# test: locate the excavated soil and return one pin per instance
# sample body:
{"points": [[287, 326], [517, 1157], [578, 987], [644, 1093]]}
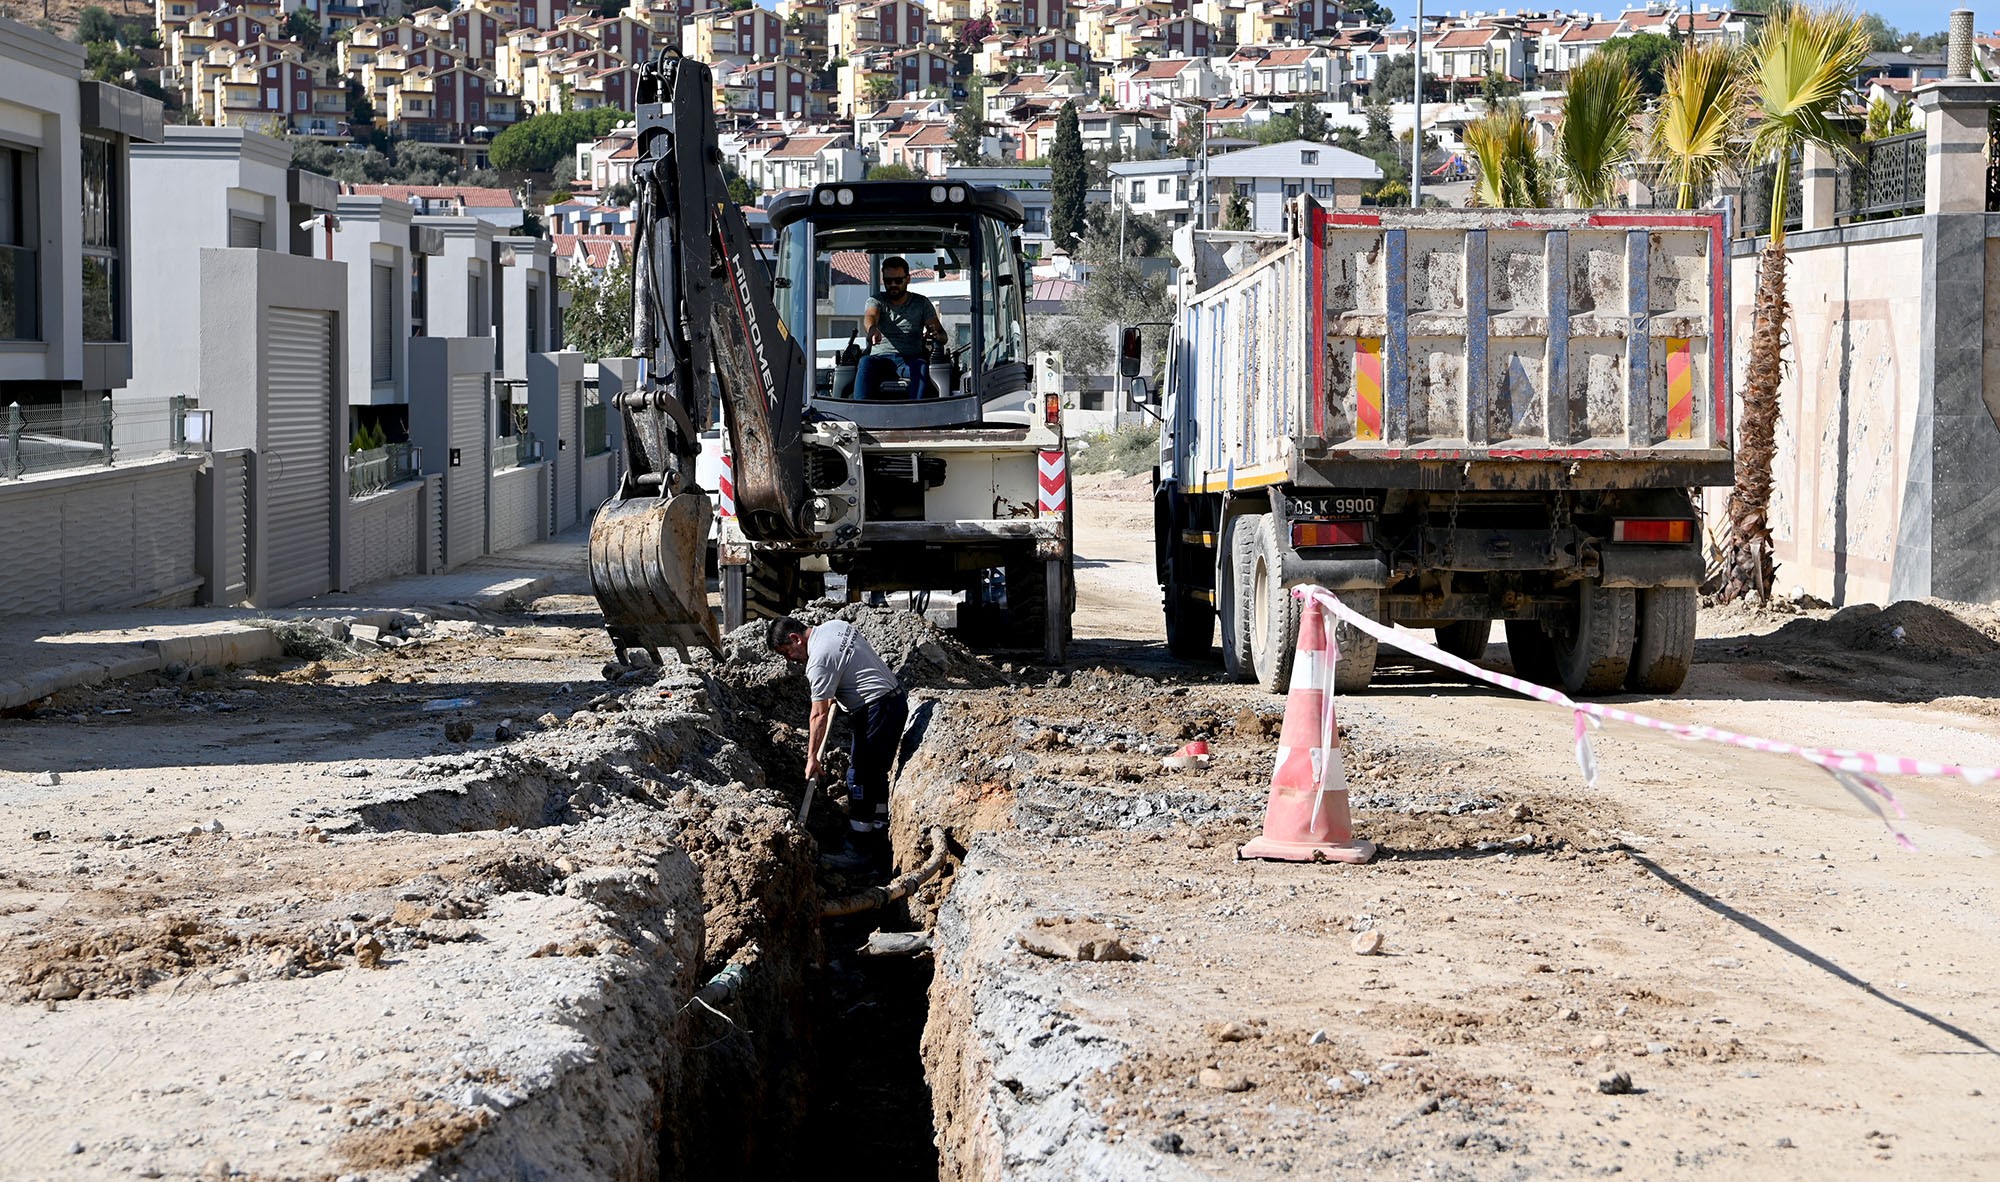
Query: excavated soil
{"points": [[1709, 963], [480, 926]]}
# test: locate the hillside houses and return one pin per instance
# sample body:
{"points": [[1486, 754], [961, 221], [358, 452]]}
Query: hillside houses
{"points": [[830, 88]]}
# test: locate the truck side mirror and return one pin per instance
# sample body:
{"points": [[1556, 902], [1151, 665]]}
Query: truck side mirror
{"points": [[1141, 394], [1128, 353]]}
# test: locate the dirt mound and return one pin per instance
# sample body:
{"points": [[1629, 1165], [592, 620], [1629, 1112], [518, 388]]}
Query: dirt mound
{"points": [[1917, 629]]}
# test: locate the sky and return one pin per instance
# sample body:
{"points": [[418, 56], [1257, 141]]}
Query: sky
{"points": [[1922, 17]]}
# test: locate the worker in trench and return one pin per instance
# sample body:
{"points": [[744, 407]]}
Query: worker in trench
{"points": [[843, 668]]}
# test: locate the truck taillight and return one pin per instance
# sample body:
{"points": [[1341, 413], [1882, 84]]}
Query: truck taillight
{"points": [[1653, 530], [1307, 534], [1051, 409]]}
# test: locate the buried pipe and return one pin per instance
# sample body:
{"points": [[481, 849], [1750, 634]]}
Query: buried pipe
{"points": [[897, 888]]}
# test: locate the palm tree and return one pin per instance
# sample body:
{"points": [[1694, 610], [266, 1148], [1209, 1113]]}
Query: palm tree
{"points": [[1511, 174], [1700, 116], [1803, 61], [1596, 135]]}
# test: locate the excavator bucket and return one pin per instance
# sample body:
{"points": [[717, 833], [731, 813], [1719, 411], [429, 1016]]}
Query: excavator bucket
{"points": [[646, 570]]}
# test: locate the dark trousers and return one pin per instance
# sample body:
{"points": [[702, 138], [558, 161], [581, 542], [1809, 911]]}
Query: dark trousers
{"points": [[875, 732]]}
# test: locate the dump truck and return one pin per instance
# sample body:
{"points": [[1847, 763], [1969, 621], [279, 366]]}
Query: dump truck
{"points": [[923, 466], [1447, 417]]}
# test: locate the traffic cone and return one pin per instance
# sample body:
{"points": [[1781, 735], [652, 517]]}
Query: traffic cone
{"points": [[1306, 819]]}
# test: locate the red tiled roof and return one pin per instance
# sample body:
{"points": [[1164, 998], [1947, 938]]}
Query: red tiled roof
{"points": [[1463, 39], [1590, 31], [850, 265], [801, 147], [466, 195], [1169, 68], [1292, 57]]}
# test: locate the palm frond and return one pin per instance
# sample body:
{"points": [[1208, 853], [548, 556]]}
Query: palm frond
{"points": [[1806, 59], [1511, 173], [1596, 134], [1701, 112]]}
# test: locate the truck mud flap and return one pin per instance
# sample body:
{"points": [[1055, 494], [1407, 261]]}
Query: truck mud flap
{"points": [[1650, 566], [1361, 573]]}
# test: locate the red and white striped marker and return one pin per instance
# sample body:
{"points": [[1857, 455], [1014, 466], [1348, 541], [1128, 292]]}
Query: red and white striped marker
{"points": [[1053, 468], [726, 487]]}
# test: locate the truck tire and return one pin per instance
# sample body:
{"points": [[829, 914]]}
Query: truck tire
{"points": [[1234, 570], [1274, 623], [1358, 650], [1595, 655], [1531, 651], [1465, 639], [1664, 649]]}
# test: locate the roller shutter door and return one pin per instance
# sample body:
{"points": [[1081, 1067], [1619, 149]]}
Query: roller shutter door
{"points": [[466, 485], [298, 523]]}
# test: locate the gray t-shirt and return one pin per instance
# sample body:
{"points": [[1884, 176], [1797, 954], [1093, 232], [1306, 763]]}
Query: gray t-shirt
{"points": [[841, 664], [902, 324]]}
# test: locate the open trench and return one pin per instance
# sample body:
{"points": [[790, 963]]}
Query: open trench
{"points": [[757, 1037]]}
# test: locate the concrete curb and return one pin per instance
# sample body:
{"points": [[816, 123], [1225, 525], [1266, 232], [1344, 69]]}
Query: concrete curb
{"points": [[520, 591], [234, 646]]}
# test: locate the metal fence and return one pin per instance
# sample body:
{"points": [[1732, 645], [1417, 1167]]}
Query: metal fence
{"points": [[95, 433], [1757, 184], [516, 451], [373, 469], [1886, 179]]}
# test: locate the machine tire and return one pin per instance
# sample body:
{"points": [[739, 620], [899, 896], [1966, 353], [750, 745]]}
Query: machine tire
{"points": [[1237, 557], [1465, 639], [1594, 657], [1028, 601], [773, 586], [1664, 649], [1531, 652]]}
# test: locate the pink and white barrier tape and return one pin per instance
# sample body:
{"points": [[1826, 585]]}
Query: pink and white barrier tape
{"points": [[1855, 771]]}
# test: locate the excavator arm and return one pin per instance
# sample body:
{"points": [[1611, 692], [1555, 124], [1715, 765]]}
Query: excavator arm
{"points": [[702, 319]]}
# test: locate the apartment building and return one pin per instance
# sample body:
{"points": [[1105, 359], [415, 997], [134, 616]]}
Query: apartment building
{"points": [[1266, 177], [66, 242]]}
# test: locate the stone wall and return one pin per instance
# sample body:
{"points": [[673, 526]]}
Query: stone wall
{"points": [[1850, 397]]}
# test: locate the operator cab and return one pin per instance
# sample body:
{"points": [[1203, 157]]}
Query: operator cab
{"points": [[960, 247]]}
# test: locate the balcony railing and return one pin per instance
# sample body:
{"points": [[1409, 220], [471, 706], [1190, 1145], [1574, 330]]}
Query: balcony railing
{"points": [[373, 469], [1885, 180]]}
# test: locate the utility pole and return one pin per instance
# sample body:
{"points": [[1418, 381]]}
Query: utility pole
{"points": [[1417, 121]]}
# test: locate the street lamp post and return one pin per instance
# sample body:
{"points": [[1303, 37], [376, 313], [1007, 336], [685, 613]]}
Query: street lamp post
{"points": [[1417, 117], [1200, 112]]}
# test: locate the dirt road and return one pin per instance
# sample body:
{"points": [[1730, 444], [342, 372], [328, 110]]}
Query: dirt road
{"points": [[1783, 988], [288, 921]]}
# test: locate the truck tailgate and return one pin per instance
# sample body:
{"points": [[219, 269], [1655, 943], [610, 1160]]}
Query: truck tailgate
{"points": [[1465, 336]]}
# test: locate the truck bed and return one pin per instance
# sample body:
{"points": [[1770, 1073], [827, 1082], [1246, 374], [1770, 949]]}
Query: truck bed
{"points": [[1494, 348]]}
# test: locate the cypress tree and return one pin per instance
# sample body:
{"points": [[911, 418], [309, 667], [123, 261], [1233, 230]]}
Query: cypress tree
{"points": [[1068, 179]]}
